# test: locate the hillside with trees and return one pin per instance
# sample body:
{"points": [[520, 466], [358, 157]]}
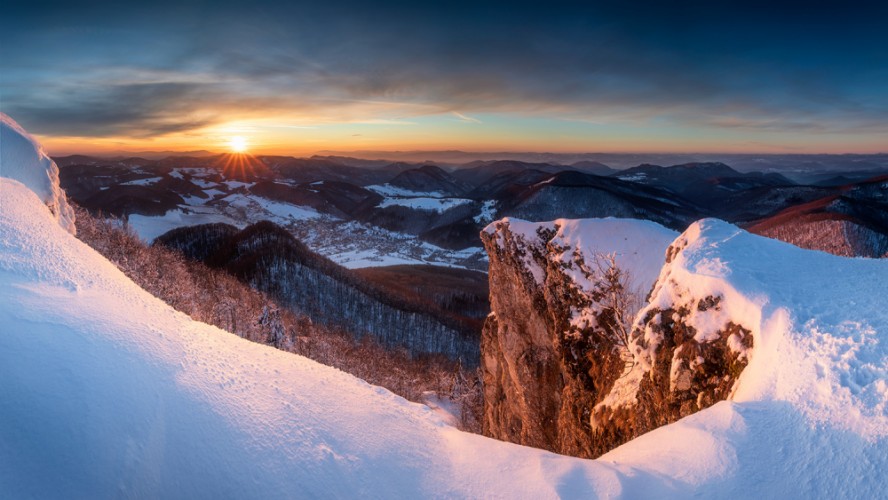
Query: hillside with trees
{"points": [[215, 297]]}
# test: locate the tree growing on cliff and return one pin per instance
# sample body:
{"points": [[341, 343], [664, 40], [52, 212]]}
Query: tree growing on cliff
{"points": [[618, 303]]}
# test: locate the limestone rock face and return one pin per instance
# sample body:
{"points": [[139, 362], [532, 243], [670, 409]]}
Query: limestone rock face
{"points": [[522, 376], [567, 364]]}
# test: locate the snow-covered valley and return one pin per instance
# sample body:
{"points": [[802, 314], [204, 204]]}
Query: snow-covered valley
{"points": [[349, 242]]}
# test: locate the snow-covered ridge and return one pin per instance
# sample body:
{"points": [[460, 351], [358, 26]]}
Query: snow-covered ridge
{"points": [[23, 159]]}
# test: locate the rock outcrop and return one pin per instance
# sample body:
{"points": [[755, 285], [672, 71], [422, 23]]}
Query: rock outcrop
{"points": [[568, 364]]}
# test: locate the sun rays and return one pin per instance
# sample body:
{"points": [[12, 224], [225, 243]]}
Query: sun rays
{"points": [[241, 166]]}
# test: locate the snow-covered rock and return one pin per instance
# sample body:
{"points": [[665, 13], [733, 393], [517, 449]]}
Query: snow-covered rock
{"points": [[778, 355], [548, 351], [811, 326], [22, 159]]}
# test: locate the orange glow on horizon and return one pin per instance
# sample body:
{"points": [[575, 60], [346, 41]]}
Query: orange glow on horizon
{"points": [[258, 138], [57, 147]]}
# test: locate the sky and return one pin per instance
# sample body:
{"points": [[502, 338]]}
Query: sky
{"points": [[296, 77]]}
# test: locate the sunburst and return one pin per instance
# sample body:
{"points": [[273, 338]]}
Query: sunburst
{"points": [[238, 144]]}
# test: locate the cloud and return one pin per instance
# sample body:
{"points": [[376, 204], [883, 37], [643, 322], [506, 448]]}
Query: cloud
{"points": [[465, 118], [139, 110], [134, 71]]}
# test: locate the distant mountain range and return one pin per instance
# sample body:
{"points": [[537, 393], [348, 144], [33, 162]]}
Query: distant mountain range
{"points": [[800, 163], [436, 210], [803, 168], [151, 155]]}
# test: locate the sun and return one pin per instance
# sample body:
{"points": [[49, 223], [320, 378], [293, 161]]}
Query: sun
{"points": [[238, 144]]}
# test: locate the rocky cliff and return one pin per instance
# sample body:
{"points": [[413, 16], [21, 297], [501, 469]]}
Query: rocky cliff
{"points": [[586, 347]]}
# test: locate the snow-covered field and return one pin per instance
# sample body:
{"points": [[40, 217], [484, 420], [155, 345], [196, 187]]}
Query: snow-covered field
{"points": [[258, 207], [108, 392], [390, 191], [424, 203], [142, 182], [150, 227], [433, 201]]}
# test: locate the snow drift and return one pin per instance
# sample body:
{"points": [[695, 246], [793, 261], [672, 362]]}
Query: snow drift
{"points": [[22, 159], [105, 391]]}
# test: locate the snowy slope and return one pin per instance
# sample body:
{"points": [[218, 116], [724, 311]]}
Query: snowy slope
{"points": [[107, 392]]}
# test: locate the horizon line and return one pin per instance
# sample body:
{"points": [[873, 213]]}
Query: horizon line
{"points": [[356, 153]]}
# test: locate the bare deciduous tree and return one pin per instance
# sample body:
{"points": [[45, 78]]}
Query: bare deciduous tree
{"points": [[618, 303]]}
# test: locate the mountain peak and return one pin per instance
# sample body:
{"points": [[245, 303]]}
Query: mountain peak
{"points": [[430, 179], [714, 169]]}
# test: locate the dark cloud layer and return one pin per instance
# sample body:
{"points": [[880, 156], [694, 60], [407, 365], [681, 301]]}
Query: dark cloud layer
{"points": [[96, 69]]}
